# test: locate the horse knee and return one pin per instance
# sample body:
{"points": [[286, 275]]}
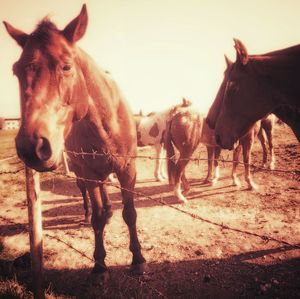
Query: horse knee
{"points": [[99, 219], [129, 215]]}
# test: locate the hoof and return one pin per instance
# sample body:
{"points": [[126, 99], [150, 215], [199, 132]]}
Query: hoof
{"points": [[182, 200], [209, 182], [100, 279], [139, 269], [99, 275], [253, 187], [236, 183]]}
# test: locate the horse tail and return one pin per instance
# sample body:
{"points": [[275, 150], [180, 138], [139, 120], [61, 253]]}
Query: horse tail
{"points": [[168, 145]]}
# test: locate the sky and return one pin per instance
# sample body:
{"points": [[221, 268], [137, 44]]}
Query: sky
{"points": [[158, 51]]}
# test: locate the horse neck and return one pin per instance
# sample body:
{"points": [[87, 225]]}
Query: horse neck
{"points": [[103, 91], [281, 73]]}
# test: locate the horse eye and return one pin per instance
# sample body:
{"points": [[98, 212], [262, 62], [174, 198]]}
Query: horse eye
{"points": [[232, 86], [66, 68]]}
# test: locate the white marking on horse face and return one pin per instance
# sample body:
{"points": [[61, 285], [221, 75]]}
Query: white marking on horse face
{"points": [[50, 123]]}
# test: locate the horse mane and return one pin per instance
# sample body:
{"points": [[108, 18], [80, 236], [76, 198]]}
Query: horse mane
{"points": [[290, 51]]}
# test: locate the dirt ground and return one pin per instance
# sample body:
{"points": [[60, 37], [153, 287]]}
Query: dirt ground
{"points": [[225, 243]]}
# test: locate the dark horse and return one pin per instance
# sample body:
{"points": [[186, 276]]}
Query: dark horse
{"points": [[254, 86], [66, 100]]}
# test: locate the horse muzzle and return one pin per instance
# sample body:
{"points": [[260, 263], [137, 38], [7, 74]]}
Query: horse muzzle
{"points": [[228, 144], [37, 153]]}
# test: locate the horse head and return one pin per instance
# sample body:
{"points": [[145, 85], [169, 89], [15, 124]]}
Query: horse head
{"points": [[53, 92], [233, 111]]}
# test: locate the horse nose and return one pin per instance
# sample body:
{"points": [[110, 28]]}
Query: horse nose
{"points": [[43, 149]]}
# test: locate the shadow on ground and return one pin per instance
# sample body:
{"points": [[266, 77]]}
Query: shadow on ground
{"points": [[234, 277]]}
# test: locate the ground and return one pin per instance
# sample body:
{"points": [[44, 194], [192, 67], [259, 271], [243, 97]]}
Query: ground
{"points": [[225, 243]]}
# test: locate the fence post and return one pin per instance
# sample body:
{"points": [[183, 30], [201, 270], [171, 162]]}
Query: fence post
{"points": [[35, 231]]}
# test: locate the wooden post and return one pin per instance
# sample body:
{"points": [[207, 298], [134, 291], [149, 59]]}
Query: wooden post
{"points": [[35, 231]]}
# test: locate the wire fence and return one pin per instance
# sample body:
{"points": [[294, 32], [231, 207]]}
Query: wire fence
{"points": [[180, 209], [222, 159]]}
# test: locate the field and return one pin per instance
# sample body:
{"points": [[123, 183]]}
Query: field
{"points": [[225, 243]]}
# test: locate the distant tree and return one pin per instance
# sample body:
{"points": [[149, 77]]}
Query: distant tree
{"points": [[1, 123]]}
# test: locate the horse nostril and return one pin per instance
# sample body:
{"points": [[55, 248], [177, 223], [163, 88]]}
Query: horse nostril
{"points": [[43, 149]]}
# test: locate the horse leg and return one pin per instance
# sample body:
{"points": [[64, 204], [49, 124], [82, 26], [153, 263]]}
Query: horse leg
{"points": [[185, 183], [127, 180], [82, 187], [163, 165], [159, 163], [263, 143], [210, 163], [236, 154], [99, 219], [247, 147], [179, 172], [269, 133], [106, 202], [217, 150]]}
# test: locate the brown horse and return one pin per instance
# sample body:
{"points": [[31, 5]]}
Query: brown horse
{"points": [[150, 131], [66, 100], [188, 128], [184, 132], [259, 130], [254, 86]]}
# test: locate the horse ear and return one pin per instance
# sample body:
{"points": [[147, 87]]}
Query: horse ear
{"points": [[75, 30], [19, 36], [241, 52], [228, 61]]}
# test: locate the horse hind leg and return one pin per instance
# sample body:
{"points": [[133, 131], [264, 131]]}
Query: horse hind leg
{"points": [[263, 143], [159, 174], [127, 180], [269, 133], [98, 223], [179, 175]]}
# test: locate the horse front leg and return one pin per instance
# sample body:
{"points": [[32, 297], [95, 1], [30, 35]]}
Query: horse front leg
{"points": [[99, 219], [236, 154], [247, 147], [82, 187], [216, 164], [210, 163], [127, 180]]}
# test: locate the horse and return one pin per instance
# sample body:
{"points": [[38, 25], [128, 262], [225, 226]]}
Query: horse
{"points": [[150, 132], [67, 101], [184, 132], [260, 129], [254, 86], [188, 128]]}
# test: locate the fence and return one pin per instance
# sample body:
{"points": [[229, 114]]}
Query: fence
{"points": [[295, 173]]}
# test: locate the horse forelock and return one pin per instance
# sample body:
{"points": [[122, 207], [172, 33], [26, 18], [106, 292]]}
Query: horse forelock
{"points": [[44, 30]]}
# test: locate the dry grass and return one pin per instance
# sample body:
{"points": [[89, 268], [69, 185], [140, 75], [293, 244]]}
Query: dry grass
{"points": [[188, 257]]}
